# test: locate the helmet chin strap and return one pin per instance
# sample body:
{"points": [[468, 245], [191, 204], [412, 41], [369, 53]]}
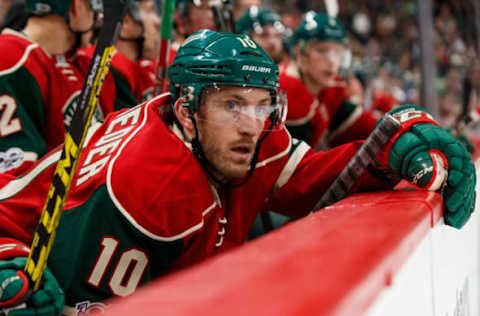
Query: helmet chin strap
{"points": [[208, 166]]}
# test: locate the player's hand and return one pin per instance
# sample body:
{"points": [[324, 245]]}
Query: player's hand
{"points": [[15, 297], [431, 158]]}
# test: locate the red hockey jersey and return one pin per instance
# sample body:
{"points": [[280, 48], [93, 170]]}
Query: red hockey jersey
{"points": [[327, 119], [38, 93], [141, 203]]}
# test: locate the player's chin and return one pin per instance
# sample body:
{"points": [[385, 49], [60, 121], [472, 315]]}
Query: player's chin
{"points": [[236, 170]]}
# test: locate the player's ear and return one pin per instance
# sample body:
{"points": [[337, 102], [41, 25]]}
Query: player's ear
{"points": [[129, 27], [184, 117], [78, 7], [74, 7]]}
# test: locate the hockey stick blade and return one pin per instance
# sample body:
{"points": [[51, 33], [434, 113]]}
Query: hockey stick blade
{"points": [[44, 235], [340, 187]]}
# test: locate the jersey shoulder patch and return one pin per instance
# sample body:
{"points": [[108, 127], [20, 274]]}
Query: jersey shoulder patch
{"points": [[157, 184]]}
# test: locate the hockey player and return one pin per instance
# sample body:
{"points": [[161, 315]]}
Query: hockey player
{"points": [[264, 27], [150, 198], [38, 82], [320, 111], [129, 81], [191, 16]]}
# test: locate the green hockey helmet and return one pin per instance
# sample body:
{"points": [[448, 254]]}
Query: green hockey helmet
{"points": [[208, 58], [57, 7], [319, 27], [256, 18]]}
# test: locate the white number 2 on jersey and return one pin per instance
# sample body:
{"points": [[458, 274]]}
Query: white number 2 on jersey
{"points": [[8, 125], [117, 283]]}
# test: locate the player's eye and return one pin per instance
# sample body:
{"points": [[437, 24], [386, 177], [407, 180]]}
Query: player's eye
{"points": [[230, 106]]}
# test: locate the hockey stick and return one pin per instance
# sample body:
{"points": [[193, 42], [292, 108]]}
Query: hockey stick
{"points": [[339, 189], [168, 8], [44, 235], [465, 122]]}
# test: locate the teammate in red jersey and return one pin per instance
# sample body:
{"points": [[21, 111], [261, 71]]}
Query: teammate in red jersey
{"points": [[191, 16], [38, 82], [149, 198], [265, 27], [320, 109], [130, 80]]}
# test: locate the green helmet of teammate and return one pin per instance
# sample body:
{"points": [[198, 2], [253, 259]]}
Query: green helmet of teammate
{"points": [[319, 27], [256, 18], [208, 58], [57, 7]]}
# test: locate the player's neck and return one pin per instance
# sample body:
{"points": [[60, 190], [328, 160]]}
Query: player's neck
{"points": [[128, 48], [51, 33]]}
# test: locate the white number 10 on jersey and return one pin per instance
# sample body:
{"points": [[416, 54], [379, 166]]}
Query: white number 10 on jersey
{"points": [[117, 284]]}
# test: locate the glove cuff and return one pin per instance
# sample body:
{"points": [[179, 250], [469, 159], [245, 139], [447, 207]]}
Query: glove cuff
{"points": [[11, 248], [18, 277]]}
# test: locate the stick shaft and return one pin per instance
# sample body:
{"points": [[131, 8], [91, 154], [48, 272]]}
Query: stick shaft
{"points": [[340, 187], [44, 234]]}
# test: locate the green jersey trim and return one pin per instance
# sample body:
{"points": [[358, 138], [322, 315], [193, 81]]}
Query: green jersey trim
{"points": [[345, 117]]}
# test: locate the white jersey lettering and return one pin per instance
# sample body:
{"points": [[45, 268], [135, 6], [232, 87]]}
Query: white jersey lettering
{"points": [[103, 149]]}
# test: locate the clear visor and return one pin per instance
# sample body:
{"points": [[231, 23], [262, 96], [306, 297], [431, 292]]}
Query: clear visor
{"points": [[243, 107]]}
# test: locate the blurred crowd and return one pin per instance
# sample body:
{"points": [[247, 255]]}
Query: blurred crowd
{"points": [[384, 40]]}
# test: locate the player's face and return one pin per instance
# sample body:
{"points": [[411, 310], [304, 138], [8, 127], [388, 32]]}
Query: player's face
{"points": [[271, 41], [321, 61], [151, 23], [230, 122], [200, 17], [82, 18]]}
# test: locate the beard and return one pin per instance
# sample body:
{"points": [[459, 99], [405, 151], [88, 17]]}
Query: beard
{"points": [[229, 161]]}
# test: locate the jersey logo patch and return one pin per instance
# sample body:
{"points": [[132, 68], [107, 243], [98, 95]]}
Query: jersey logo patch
{"points": [[11, 159], [86, 308]]}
